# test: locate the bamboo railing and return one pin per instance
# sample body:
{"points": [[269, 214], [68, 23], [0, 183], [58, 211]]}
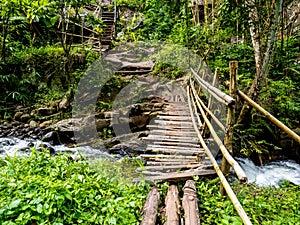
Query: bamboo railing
{"points": [[268, 115], [224, 182]]}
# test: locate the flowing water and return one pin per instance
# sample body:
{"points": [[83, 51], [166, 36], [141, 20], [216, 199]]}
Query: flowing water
{"points": [[12, 146], [268, 175], [271, 174]]}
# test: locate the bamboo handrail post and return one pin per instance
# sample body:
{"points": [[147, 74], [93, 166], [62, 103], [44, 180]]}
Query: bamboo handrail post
{"points": [[228, 138]]}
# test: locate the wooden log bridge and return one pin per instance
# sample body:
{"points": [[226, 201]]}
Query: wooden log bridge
{"points": [[178, 150], [171, 210], [173, 149]]}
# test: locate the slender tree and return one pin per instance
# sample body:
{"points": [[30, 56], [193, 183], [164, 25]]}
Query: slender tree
{"points": [[263, 46]]}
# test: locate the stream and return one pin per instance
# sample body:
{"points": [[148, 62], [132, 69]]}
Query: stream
{"points": [[268, 175]]}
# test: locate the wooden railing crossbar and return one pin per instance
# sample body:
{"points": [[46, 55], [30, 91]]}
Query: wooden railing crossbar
{"points": [[199, 101], [239, 171], [237, 205], [283, 127], [218, 94]]}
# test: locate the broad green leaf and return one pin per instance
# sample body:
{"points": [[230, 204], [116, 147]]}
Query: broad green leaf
{"points": [[14, 204]]}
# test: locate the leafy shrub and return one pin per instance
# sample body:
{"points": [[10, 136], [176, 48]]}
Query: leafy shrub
{"points": [[262, 205], [40, 189]]}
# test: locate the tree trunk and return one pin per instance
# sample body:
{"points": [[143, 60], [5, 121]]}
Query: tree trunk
{"points": [[262, 65]]}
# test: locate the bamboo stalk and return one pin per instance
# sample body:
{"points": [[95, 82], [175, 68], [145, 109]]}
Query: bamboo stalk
{"points": [[219, 95], [80, 25], [198, 118], [269, 116], [237, 205], [190, 204], [218, 122], [150, 207], [216, 74], [228, 139], [175, 176], [205, 13], [76, 35], [239, 171]]}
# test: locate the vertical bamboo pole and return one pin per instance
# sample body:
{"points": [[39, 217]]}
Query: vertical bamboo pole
{"points": [[82, 25], [216, 74], [228, 139], [213, 16], [197, 19], [205, 13]]}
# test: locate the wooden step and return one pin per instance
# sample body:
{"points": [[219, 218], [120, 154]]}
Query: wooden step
{"points": [[175, 118], [174, 151], [173, 122], [187, 161], [168, 156], [175, 147], [171, 139], [171, 167], [175, 144], [167, 163], [177, 176], [175, 133]]}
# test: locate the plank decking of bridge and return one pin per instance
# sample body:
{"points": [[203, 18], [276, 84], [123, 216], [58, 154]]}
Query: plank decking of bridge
{"points": [[173, 149]]}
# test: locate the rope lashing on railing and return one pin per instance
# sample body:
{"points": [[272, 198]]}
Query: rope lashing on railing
{"points": [[238, 170], [219, 95], [237, 205]]}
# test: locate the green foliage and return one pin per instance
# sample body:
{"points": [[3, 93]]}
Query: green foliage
{"points": [[56, 190], [262, 205], [42, 75], [168, 71]]}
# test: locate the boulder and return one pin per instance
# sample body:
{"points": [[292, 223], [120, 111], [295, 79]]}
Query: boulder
{"points": [[140, 121], [18, 115], [102, 123], [45, 111], [25, 117], [45, 124], [64, 104], [33, 124]]}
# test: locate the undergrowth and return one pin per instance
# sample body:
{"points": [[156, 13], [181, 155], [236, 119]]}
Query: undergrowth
{"points": [[40, 189]]}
